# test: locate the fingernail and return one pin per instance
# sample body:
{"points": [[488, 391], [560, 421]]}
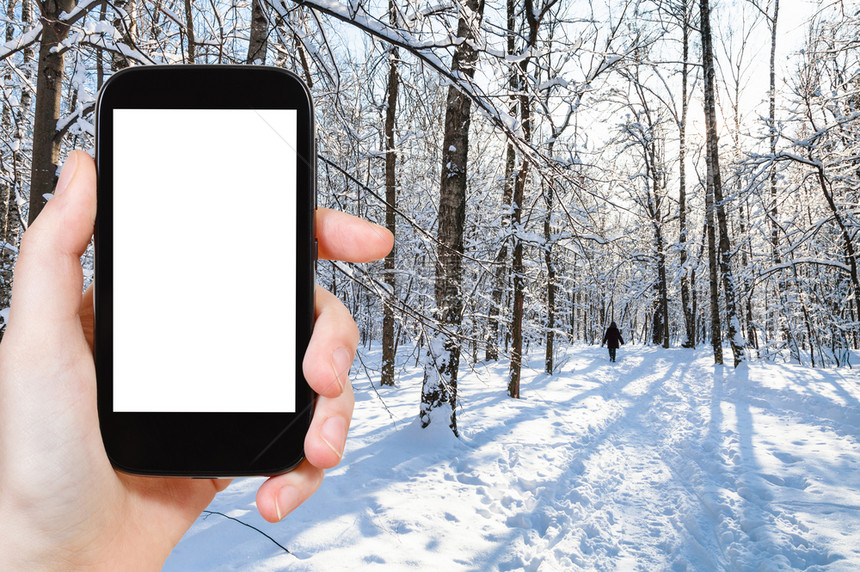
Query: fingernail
{"points": [[67, 173], [341, 360], [286, 501], [333, 434]]}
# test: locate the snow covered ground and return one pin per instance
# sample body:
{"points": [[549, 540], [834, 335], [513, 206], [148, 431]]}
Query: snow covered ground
{"points": [[660, 461]]}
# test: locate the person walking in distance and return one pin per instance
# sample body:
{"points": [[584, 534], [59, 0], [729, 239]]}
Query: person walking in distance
{"points": [[612, 338]]}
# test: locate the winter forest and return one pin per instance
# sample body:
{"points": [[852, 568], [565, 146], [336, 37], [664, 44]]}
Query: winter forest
{"points": [[687, 169]]}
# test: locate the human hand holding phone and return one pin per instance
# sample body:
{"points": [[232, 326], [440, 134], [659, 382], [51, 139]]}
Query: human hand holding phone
{"points": [[62, 504]]}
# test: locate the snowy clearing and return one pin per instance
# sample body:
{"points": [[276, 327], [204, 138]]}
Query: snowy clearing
{"points": [[659, 461]]}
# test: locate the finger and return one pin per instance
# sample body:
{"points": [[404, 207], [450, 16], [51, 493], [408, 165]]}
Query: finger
{"points": [[280, 495], [46, 295], [326, 437], [332, 346], [345, 237]]}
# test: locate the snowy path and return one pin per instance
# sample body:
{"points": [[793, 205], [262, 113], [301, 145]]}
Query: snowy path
{"points": [[660, 461]]}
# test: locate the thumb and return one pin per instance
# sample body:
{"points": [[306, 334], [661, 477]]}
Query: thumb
{"points": [[46, 291]]}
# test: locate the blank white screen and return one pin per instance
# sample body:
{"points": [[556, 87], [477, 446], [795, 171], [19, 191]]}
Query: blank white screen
{"points": [[204, 260]]}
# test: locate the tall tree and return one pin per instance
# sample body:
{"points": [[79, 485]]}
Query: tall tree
{"points": [[655, 187], [550, 273], [549, 190], [645, 132], [771, 97], [388, 341], [734, 73], [440, 371], [49, 91], [714, 183], [501, 262], [533, 18], [532, 23], [773, 213], [689, 317]]}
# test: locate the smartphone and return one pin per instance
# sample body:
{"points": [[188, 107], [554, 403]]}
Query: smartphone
{"points": [[204, 269]]}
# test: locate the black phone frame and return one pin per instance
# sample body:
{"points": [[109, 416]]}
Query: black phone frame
{"points": [[212, 444]]}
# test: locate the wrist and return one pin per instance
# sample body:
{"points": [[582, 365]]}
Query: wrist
{"points": [[36, 549], [27, 556], [22, 548]]}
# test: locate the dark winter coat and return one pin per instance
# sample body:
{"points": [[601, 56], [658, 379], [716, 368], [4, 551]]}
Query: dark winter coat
{"points": [[612, 337]]}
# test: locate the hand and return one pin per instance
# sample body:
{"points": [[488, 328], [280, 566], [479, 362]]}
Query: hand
{"points": [[62, 505]]}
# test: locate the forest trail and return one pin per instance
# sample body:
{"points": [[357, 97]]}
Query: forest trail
{"points": [[659, 461]]}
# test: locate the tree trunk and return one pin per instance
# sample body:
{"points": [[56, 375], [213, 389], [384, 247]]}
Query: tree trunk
{"points": [[660, 320], [777, 311], [715, 183], [699, 329], [443, 360], [746, 256], [519, 284], [257, 41], [501, 271], [49, 86], [653, 156], [388, 339], [663, 290], [774, 225], [519, 194], [848, 245], [656, 167], [689, 318], [744, 221], [100, 65], [189, 32], [713, 279], [550, 278]]}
